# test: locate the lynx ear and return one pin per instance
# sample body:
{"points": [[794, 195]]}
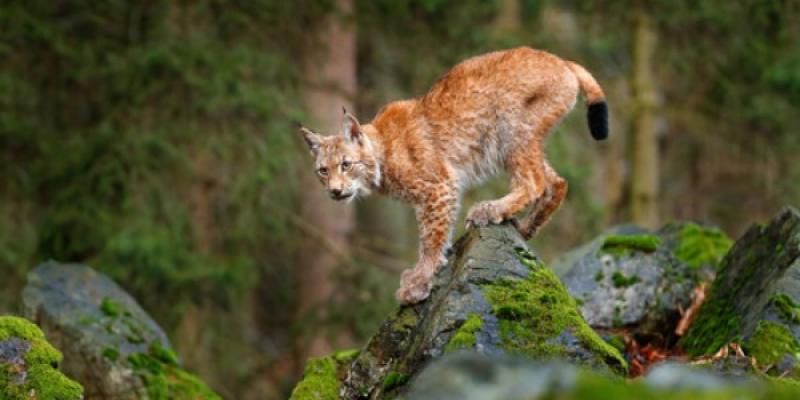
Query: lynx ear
{"points": [[351, 128], [312, 138]]}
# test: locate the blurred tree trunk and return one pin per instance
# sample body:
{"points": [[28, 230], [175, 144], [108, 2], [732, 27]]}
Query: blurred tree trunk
{"points": [[508, 17], [330, 70], [644, 144]]}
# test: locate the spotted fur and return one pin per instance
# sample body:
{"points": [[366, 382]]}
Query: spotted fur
{"points": [[488, 112]]}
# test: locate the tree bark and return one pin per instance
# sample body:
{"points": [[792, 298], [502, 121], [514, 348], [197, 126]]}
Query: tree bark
{"points": [[330, 70], [644, 143]]}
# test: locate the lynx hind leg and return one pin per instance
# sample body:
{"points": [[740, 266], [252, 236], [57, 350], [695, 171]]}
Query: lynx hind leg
{"points": [[543, 210], [524, 164]]}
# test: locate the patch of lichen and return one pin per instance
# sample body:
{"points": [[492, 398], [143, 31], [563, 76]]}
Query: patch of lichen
{"points": [[42, 377], [621, 281], [698, 246], [165, 379], [323, 377], [770, 342], [787, 308], [464, 338], [622, 244], [534, 312]]}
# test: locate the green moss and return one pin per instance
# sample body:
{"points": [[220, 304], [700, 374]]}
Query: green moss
{"points": [[534, 312], [323, 377], [111, 308], [617, 342], [599, 276], [698, 246], [111, 353], [770, 343], [620, 280], [788, 310], [165, 379], [464, 338], [394, 379], [622, 244], [41, 361]]}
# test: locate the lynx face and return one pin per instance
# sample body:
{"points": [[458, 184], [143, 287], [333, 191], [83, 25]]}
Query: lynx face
{"points": [[345, 164]]}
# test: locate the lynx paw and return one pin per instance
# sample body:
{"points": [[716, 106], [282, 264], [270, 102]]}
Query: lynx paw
{"points": [[414, 287], [485, 213]]}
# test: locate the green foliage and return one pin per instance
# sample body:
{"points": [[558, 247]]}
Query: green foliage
{"points": [[41, 362]]}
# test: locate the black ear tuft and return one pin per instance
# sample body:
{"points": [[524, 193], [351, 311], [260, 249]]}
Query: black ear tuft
{"points": [[598, 120]]}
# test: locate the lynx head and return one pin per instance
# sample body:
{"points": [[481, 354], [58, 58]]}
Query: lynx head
{"points": [[346, 164]]}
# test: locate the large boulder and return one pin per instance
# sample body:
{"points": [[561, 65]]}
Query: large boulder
{"points": [[640, 280], [482, 377], [494, 296], [29, 365], [112, 346], [755, 299]]}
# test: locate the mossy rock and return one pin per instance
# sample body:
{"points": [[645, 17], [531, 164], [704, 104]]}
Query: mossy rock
{"points": [[494, 296], [481, 377], [29, 365], [112, 346], [640, 280], [754, 300]]}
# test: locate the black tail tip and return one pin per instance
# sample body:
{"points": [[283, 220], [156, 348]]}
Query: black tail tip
{"points": [[598, 120]]}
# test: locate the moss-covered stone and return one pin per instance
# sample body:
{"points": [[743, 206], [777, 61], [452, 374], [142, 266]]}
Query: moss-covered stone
{"points": [[323, 377], [770, 343], [621, 244], [482, 301], [698, 246], [464, 338], [37, 374], [748, 286], [535, 312]]}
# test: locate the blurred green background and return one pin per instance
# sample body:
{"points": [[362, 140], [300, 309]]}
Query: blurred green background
{"points": [[153, 140]]}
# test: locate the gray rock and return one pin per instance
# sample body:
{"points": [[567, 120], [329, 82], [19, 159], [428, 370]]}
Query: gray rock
{"points": [[96, 324], [472, 376], [493, 296], [638, 287]]}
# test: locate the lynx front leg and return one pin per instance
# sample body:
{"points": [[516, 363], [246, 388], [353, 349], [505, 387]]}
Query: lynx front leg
{"points": [[435, 219]]}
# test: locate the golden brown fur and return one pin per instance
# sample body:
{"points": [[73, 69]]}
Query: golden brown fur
{"points": [[488, 112]]}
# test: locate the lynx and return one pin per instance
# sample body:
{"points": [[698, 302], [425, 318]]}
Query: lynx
{"points": [[487, 112]]}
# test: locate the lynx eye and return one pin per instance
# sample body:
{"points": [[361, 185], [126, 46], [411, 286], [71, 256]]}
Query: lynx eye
{"points": [[346, 165], [322, 171]]}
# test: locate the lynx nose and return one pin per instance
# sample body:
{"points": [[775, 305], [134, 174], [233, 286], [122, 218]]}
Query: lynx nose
{"points": [[336, 192]]}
